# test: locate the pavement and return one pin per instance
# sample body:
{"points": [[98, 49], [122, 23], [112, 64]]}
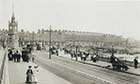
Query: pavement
{"points": [[17, 74], [102, 64], [3, 69], [2, 52]]}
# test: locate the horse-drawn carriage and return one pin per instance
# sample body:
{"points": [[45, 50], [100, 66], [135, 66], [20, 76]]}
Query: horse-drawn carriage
{"points": [[118, 64]]}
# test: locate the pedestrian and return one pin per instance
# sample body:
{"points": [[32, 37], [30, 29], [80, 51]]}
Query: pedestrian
{"points": [[94, 58], [18, 56], [112, 58], [23, 55], [10, 57], [136, 62], [15, 57], [29, 74], [28, 58], [57, 52], [84, 57], [35, 72], [71, 54], [33, 58]]}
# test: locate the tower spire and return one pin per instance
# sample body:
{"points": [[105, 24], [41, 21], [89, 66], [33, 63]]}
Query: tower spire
{"points": [[13, 17], [13, 6]]}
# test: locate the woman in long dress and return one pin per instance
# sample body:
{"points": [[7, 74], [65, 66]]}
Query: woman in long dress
{"points": [[35, 71], [29, 74]]}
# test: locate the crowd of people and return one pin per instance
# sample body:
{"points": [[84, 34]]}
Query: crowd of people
{"points": [[83, 55], [115, 61], [16, 55]]}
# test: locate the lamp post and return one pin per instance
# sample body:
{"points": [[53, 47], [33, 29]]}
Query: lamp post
{"points": [[50, 43], [112, 50], [74, 44], [76, 52]]}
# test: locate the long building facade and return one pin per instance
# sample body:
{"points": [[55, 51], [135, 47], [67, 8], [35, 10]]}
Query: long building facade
{"points": [[68, 38], [73, 38]]}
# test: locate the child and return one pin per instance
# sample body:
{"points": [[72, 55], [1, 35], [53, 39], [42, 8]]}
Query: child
{"points": [[35, 71]]}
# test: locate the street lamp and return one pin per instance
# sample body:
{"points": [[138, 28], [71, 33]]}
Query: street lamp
{"points": [[112, 50], [50, 43], [76, 53]]}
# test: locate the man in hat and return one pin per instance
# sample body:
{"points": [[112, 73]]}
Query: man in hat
{"points": [[136, 62]]}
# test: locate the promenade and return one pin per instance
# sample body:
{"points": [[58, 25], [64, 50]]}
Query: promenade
{"points": [[17, 74], [2, 52]]}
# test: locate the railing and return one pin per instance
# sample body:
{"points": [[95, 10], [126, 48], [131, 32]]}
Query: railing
{"points": [[3, 70]]}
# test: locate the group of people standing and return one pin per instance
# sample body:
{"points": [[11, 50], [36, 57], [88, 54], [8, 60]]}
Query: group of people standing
{"points": [[84, 56], [14, 55], [26, 54]]}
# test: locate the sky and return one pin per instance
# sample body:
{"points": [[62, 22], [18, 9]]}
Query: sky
{"points": [[119, 17]]}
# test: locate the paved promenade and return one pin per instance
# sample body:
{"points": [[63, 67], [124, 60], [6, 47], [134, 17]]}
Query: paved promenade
{"points": [[17, 74], [2, 52]]}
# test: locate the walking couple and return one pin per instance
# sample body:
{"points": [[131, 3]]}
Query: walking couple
{"points": [[31, 74]]}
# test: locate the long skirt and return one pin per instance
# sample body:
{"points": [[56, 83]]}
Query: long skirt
{"points": [[35, 78], [29, 78]]}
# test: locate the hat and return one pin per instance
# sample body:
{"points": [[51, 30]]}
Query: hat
{"points": [[30, 66], [36, 66]]}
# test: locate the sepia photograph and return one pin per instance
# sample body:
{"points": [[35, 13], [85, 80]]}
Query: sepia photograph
{"points": [[69, 41]]}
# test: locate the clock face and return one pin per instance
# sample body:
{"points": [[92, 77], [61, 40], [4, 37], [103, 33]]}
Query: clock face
{"points": [[10, 28]]}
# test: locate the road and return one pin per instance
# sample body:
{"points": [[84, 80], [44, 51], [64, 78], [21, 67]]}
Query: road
{"points": [[78, 73]]}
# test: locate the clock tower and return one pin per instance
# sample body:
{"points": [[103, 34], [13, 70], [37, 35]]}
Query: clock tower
{"points": [[13, 33]]}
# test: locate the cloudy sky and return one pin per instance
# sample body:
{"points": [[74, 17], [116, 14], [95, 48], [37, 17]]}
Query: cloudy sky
{"points": [[120, 17]]}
